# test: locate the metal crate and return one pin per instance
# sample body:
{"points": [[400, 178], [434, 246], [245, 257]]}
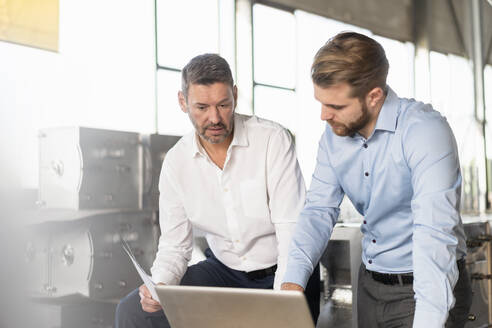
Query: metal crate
{"points": [[340, 270], [479, 267], [155, 148], [85, 256], [84, 168]]}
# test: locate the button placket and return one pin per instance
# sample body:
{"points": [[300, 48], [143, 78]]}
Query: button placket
{"points": [[228, 201], [365, 154]]}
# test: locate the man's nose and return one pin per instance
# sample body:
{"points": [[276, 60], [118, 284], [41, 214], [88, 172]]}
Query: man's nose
{"points": [[214, 116], [326, 114]]}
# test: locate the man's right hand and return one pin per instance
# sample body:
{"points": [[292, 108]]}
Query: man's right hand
{"points": [[291, 286], [148, 303]]}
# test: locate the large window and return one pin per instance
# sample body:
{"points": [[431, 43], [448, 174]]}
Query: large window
{"points": [[452, 95], [186, 29], [285, 43], [274, 56]]}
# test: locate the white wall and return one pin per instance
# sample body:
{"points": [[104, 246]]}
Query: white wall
{"points": [[103, 76]]}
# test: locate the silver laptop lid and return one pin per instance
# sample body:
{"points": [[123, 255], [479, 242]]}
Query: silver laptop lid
{"points": [[218, 307]]}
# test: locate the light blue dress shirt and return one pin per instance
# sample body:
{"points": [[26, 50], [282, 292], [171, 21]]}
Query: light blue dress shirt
{"points": [[405, 180]]}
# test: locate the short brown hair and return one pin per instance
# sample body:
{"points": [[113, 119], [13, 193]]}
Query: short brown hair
{"points": [[205, 69], [351, 58]]}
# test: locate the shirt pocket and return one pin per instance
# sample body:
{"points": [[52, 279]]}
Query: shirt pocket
{"points": [[254, 198]]}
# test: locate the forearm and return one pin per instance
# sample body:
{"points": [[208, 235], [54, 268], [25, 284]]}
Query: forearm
{"points": [[309, 241], [435, 275], [284, 235], [171, 262]]}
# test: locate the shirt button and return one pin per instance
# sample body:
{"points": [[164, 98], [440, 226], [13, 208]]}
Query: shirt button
{"points": [[226, 190], [236, 241], [370, 261], [374, 241], [366, 174], [365, 145], [365, 221]]}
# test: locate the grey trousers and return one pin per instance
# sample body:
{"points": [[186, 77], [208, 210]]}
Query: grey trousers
{"points": [[391, 306]]}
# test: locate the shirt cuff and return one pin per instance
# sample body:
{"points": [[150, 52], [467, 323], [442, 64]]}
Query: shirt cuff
{"points": [[165, 277], [297, 276], [430, 319]]}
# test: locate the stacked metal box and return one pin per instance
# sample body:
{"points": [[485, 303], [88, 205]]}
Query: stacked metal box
{"points": [[96, 187], [342, 258], [340, 269], [478, 263]]}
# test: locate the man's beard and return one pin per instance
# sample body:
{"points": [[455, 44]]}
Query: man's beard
{"points": [[351, 128], [212, 139]]}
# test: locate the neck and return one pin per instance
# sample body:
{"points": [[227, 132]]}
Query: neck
{"points": [[368, 129], [218, 148], [217, 152]]}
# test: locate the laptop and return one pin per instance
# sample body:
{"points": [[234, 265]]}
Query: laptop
{"points": [[220, 307]]}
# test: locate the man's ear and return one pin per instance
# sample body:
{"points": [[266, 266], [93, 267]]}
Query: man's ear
{"points": [[374, 97], [182, 101]]}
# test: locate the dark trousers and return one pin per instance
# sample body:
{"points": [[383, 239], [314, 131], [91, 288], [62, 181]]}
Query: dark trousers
{"points": [[385, 306], [210, 272]]}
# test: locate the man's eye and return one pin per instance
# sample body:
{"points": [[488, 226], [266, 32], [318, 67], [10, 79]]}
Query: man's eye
{"points": [[201, 107], [224, 106]]}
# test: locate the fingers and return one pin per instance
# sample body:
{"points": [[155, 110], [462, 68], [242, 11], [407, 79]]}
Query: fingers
{"points": [[291, 286], [148, 303], [143, 290]]}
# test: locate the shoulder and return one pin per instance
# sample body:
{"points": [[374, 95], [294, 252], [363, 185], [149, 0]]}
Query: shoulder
{"points": [[424, 128], [266, 134], [419, 118], [181, 149], [258, 124]]}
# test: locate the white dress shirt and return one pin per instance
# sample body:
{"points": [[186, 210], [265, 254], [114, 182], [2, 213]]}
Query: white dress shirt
{"points": [[247, 210]]}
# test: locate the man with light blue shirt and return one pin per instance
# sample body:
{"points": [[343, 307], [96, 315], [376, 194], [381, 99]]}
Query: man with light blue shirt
{"points": [[396, 160]]}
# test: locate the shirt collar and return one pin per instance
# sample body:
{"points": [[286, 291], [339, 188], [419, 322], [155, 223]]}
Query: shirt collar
{"points": [[240, 137], [389, 112]]}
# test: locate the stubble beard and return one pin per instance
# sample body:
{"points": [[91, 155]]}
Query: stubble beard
{"points": [[343, 130], [212, 139]]}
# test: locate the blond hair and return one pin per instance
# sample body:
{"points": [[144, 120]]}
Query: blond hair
{"points": [[351, 58]]}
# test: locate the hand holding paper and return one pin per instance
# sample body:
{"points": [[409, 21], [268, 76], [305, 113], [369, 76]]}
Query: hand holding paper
{"points": [[147, 280]]}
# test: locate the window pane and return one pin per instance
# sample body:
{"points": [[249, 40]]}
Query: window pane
{"points": [[277, 105], [186, 28], [400, 58], [274, 46], [452, 95], [313, 32], [170, 117], [227, 37]]}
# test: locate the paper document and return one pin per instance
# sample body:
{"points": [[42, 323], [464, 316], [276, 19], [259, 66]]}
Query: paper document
{"points": [[145, 277]]}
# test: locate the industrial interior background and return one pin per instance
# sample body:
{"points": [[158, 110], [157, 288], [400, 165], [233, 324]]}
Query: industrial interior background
{"points": [[88, 110]]}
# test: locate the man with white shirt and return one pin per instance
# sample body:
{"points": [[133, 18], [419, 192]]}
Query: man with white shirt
{"points": [[236, 178]]}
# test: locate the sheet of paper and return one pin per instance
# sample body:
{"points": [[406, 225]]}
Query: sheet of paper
{"points": [[147, 280]]}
